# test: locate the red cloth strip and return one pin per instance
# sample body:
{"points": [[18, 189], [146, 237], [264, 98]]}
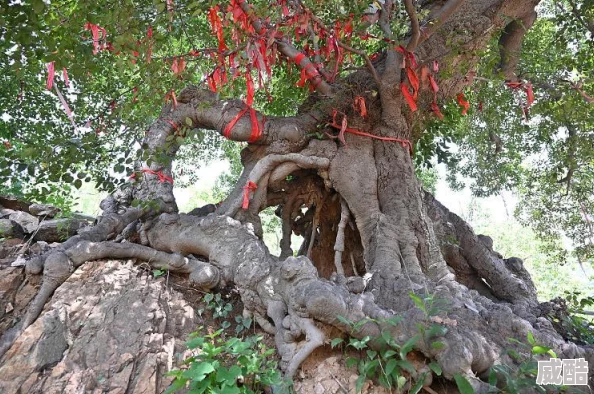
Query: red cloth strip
{"points": [[251, 186], [162, 177], [230, 125], [402, 141], [171, 123]]}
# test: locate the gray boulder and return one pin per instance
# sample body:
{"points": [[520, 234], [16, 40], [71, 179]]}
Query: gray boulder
{"points": [[10, 229], [58, 230], [44, 210], [27, 221]]}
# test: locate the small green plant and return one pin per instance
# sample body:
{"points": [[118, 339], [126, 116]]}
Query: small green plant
{"points": [[391, 366], [432, 325], [158, 273], [520, 379], [219, 307], [578, 324], [227, 366], [243, 324]]}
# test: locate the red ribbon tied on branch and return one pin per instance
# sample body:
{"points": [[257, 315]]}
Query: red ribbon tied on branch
{"points": [[50, 75], [344, 129], [526, 87], [162, 177], [463, 103], [256, 129], [250, 186], [95, 29]]}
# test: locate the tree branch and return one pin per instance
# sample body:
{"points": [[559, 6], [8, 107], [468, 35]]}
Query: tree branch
{"points": [[439, 18], [510, 44], [269, 163], [414, 25], [290, 52], [341, 44]]}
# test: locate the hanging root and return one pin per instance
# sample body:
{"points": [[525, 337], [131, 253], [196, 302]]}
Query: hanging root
{"points": [[339, 245]]}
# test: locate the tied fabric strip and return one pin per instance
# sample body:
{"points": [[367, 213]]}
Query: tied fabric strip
{"points": [[251, 186], [162, 177], [256, 129], [342, 127]]}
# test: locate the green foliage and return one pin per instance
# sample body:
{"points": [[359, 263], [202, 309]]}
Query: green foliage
{"points": [[579, 325], [521, 378], [219, 307], [546, 156], [391, 366], [229, 366]]}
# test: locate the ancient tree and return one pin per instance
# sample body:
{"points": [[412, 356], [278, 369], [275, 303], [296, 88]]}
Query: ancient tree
{"points": [[340, 173]]}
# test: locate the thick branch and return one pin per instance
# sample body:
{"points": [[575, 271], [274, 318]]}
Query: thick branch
{"points": [[436, 20], [414, 25], [510, 44]]}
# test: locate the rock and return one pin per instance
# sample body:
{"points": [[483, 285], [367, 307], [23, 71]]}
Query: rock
{"points": [[486, 240], [107, 329], [58, 230], [203, 211], [10, 229], [28, 222], [39, 247], [5, 212], [14, 203], [44, 210], [82, 216]]}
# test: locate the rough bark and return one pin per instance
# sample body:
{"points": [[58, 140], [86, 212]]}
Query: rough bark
{"points": [[403, 241]]}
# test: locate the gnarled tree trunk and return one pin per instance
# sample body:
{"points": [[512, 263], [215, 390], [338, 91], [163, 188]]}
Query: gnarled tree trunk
{"points": [[365, 216]]}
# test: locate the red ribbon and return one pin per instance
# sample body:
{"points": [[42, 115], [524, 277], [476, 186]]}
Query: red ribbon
{"points": [[65, 76], [414, 81], [409, 98], [360, 106], [162, 177], [256, 129], [251, 186], [463, 103], [344, 129], [50, 75]]}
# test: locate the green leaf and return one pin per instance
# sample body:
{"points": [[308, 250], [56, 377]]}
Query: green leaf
{"points": [[335, 342], [530, 338], [407, 365], [230, 390], [38, 6], [540, 349], [437, 345], [390, 365], [418, 384], [418, 301], [359, 383], [435, 368], [351, 362], [463, 385], [408, 346]]}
